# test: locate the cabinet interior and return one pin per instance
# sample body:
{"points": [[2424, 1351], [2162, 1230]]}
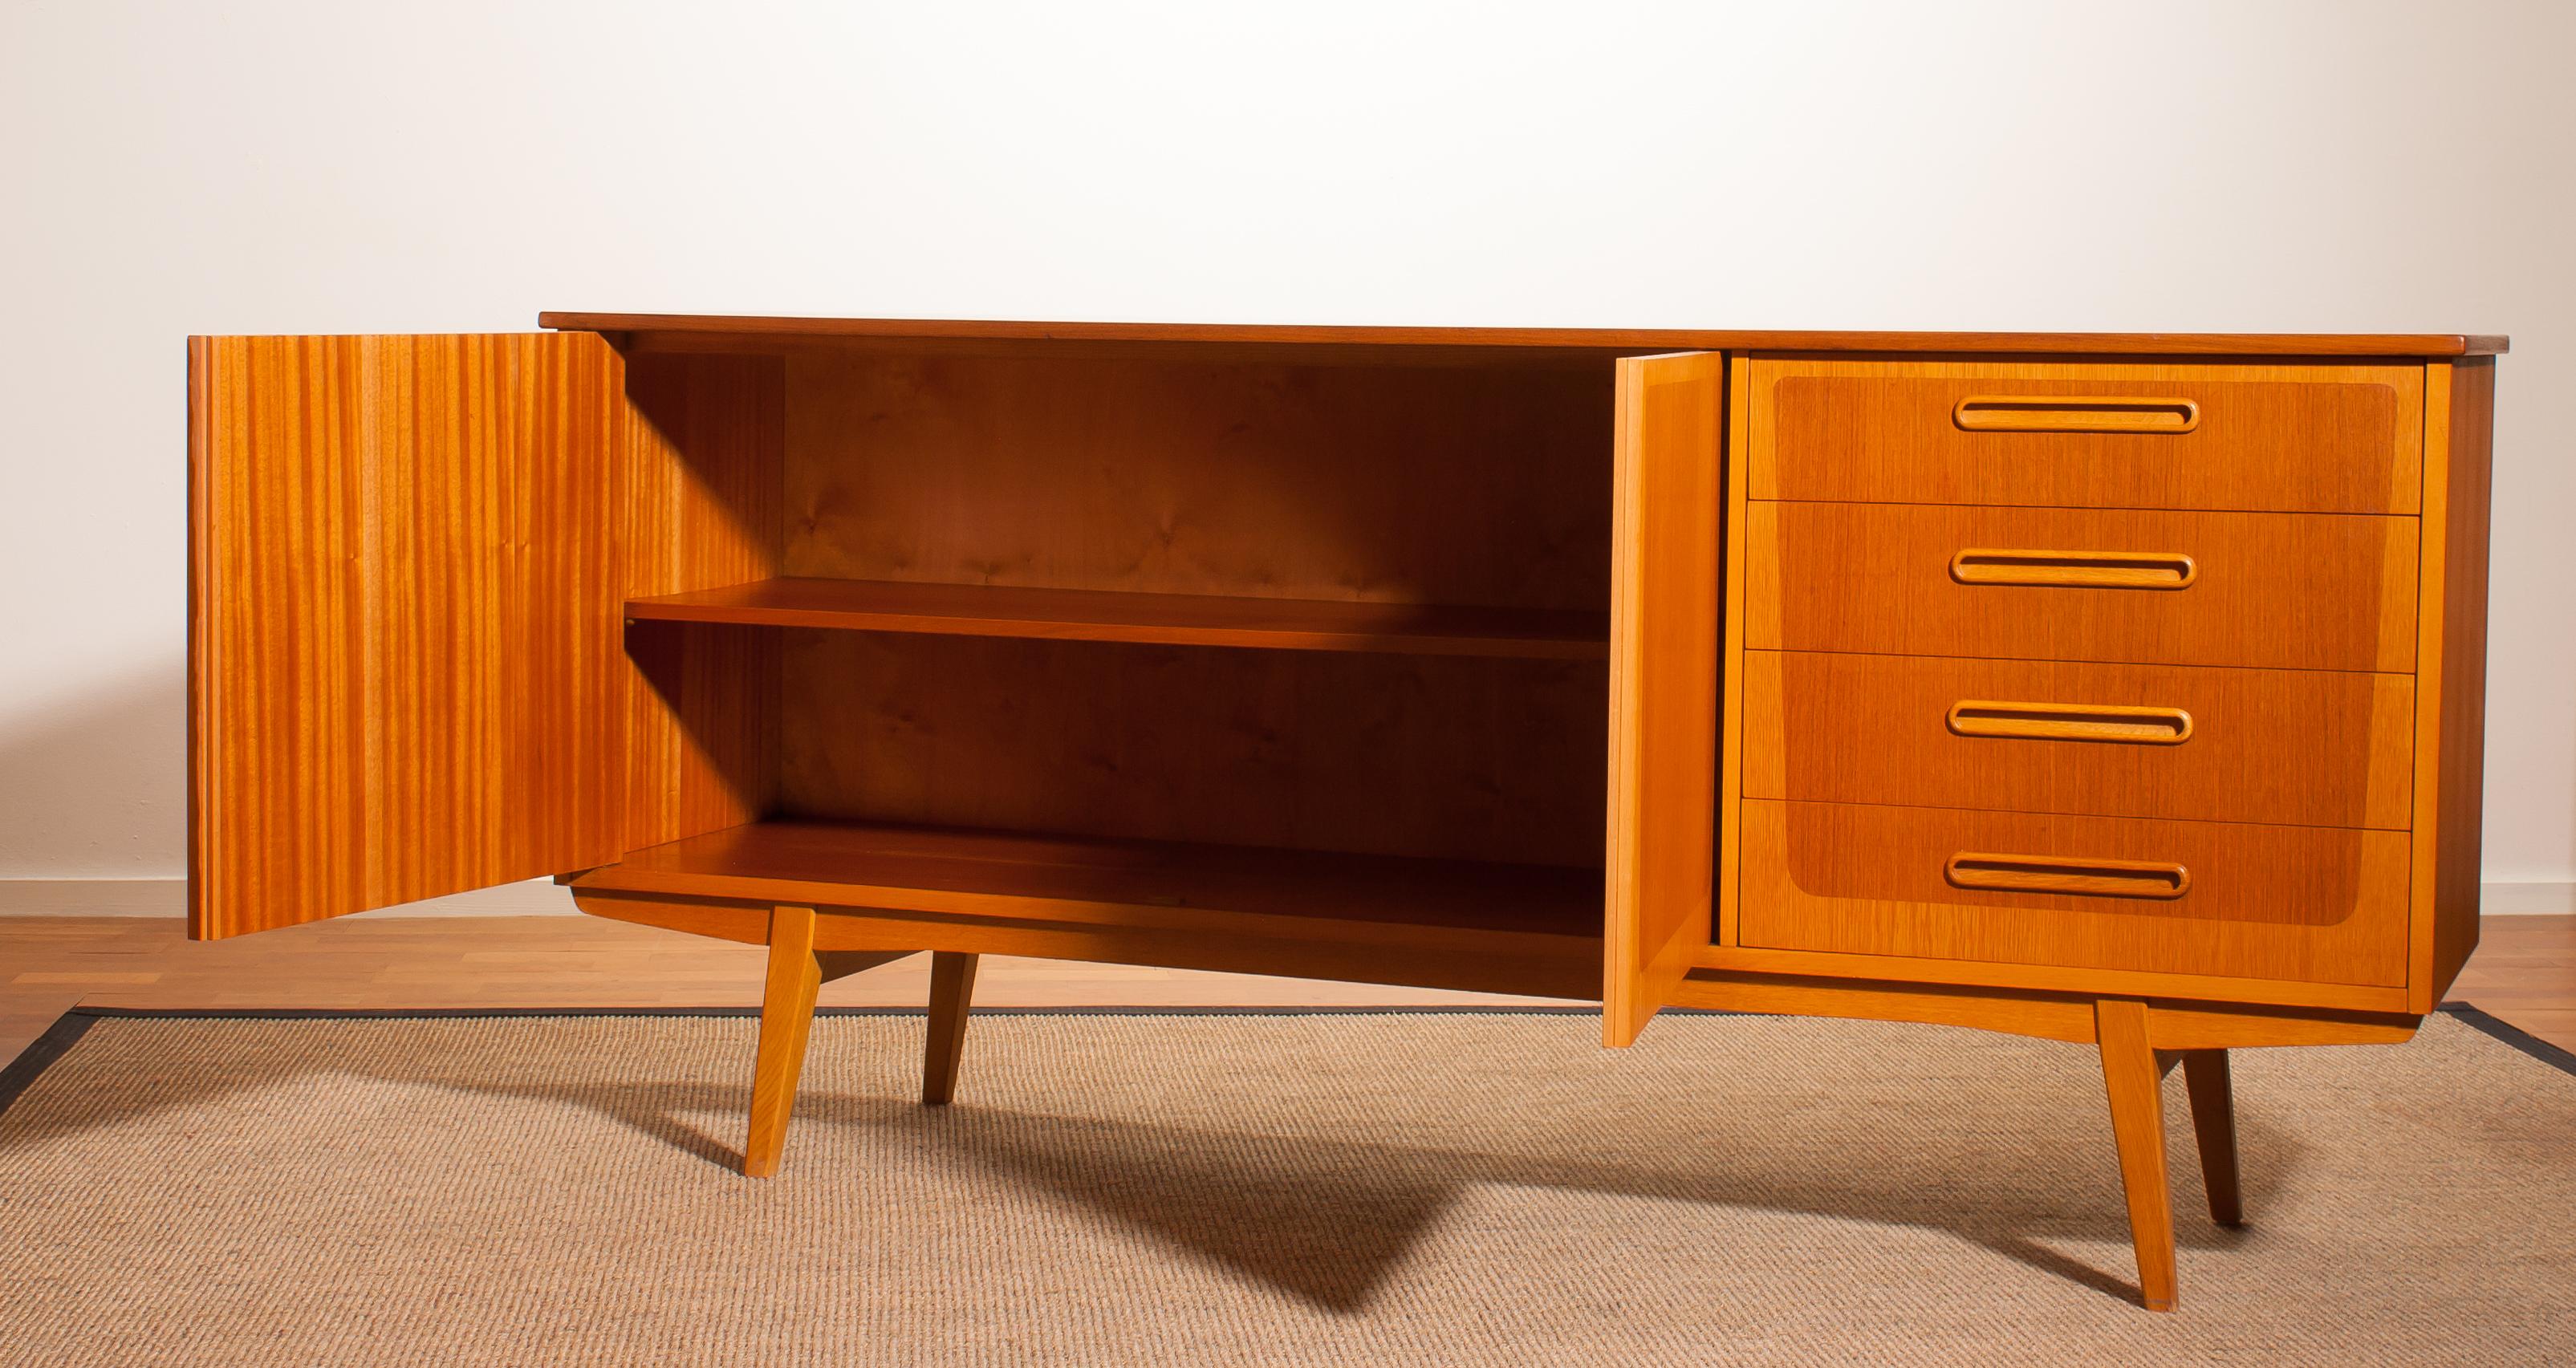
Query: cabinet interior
{"points": [[1191, 611]]}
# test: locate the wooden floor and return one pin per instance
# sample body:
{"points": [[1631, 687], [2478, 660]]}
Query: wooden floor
{"points": [[2524, 972]]}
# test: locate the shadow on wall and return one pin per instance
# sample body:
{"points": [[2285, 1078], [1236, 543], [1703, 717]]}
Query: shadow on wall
{"points": [[93, 781]]}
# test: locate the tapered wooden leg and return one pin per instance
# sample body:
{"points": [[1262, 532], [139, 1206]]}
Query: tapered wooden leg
{"points": [[2131, 1075], [2213, 1121], [952, 989], [786, 1018]]}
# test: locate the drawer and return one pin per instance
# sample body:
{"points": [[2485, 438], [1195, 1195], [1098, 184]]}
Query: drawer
{"points": [[2229, 899], [2320, 439], [2291, 591], [2296, 747]]}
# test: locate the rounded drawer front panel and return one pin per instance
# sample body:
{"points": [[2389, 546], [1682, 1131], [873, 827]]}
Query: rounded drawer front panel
{"points": [[2298, 747], [2319, 439], [2227, 899], [2285, 591]]}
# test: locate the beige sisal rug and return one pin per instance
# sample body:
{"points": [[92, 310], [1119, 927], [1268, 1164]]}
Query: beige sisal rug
{"points": [[1159, 1189]]}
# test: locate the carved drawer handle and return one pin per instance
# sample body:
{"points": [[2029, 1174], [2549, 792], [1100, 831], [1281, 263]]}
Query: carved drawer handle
{"points": [[2049, 874], [2070, 722], [2079, 569], [2075, 413]]}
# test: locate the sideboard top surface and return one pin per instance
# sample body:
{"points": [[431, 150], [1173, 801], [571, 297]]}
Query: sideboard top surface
{"points": [[749, 329]]}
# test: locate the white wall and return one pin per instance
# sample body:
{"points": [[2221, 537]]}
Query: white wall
{"points": [[266, 166]]}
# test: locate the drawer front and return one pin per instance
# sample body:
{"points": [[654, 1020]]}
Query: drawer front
{"points": [[2294, 747], [2319, 439], [2287, 591], [2234, 900]]}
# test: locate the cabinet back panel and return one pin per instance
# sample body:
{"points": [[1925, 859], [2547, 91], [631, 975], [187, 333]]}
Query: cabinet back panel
{"points": [[1382, 754], [1485, 485]]}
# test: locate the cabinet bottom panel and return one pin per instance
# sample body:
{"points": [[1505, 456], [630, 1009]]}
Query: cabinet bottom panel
{"points": [[1314, 914], [2237, 900]]}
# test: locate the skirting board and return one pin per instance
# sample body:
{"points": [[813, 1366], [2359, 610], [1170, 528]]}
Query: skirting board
{"points": [[2526, 899], [541, 898]]}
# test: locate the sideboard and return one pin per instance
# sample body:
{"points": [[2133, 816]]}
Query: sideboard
{"points": [[2122, 690]]}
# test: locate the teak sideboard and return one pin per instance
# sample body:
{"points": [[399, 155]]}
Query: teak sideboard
{"points": [[2122, 690]]}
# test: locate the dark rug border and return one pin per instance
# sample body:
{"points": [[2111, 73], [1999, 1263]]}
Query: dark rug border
{"points": [[68, 1028], [2520, 1039], [56, 1042]]}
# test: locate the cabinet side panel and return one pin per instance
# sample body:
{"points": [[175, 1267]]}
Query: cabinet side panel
{"points": [[2459, 751], [705, 449], [1732, 756], [402, 643]]}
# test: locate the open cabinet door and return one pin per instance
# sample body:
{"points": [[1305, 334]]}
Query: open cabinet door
{"points": [[405, 675], [1663, 682]]}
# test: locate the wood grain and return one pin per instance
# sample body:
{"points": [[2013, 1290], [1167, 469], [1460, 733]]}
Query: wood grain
{"points": [[1445, 955], [1663, 682], [2265, 902], [2194, 1027], [2085, 982], [714, 918], [2451, 718], [1460, 958], [705, 476], [952, 990], [1474, 487], [1733, 685], [2322, 439], [786, 1020], [1447, 756], [1091, 881], [2198, 1026], [1164, 619], [2045, 1015], [2295, 747], [2286, 591], [403, 653], [1400, 494], [2133, 1079], [1068, 335], [2213, 1125]]}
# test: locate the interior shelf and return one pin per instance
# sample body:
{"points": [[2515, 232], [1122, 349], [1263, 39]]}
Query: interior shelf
{"points": [[1118, 883], [1170, 619]]}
